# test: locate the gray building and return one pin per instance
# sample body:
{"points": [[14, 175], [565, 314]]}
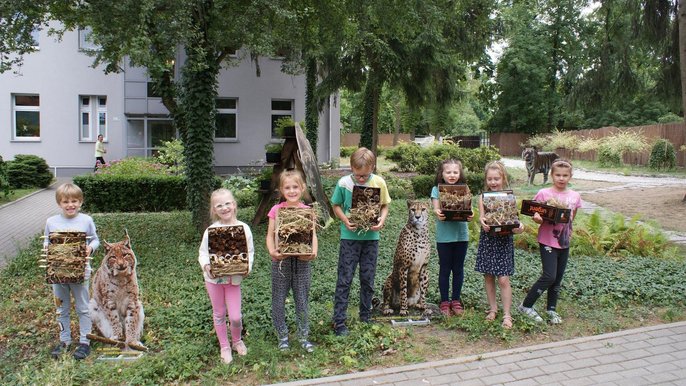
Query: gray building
{"points": [[56, 104]]}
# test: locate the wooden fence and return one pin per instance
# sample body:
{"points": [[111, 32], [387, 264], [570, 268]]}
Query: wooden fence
{"points": [[510, 144], [353, 139]]}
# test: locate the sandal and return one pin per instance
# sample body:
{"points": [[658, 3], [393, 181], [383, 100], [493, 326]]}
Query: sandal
{"points": [[507, 322], [491, 314]]}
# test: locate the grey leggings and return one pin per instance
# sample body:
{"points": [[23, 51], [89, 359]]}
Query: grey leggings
{"points": [[286, 274]]}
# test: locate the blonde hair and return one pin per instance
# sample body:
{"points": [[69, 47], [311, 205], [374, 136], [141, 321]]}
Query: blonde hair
{"points": [[498, 166], [68, 191], [294, 175], [361, 158], [214, 194], [561, 163]]}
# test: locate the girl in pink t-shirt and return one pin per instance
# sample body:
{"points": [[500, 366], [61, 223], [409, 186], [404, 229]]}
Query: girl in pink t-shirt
{"points": [[553, 239], [290, 272]]}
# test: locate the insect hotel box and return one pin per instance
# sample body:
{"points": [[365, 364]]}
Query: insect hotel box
{"points": [[556, 214], [366, 207], [228, 248], [455, 201], [500, 212], [295, 231], [66, 258]]}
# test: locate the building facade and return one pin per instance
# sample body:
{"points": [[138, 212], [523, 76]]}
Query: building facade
{"points": [[55, 105]]}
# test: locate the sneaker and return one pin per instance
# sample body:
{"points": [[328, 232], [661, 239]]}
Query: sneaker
{"points": [[226, 356], [456, 307], [553, 317], [341, 330], [82, 351], [59, 350], [283, 344], [307, 345], [239, 348], [530, 312], [445, 308]]}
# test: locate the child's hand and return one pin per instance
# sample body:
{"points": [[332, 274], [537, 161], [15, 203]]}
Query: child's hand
{"points": [[89, 250], [376, 227], [439, 214], [520, 229], [484, 226], [207, 270], [275, 254], [351, 226], [469, 218], [537, 218]]}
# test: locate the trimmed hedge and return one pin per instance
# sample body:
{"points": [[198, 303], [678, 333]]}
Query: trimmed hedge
{"points": [[28, 171], [422, 184], [112, 193]]}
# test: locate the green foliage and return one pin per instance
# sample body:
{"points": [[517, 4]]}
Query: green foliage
{"points": [[284, 124], [422, 185], [662, 156], [347, 151], [244, 190], [27, 171], [412, 158], [134, 193], [556, 139], [608, 156], [398, 187], [134, 166], [4, 179], [407, 156], [171, 155], [611, 148], [273, 147]]}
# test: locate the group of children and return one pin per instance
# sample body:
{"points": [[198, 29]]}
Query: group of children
{"points": [[495, 255]]}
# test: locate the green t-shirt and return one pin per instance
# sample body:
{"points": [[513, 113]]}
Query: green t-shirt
{"points": [[449, 231], [343, 196]]}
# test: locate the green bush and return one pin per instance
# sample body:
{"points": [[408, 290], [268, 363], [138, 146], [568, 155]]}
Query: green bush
{"points": [[118, 193], [422, 184], [4, 179], [663, 155], [398, 188], [134, 166], [347, 151], [28, 171], [171, 155], [608, 156], [412, 158], [244, 190], [407, 156]]}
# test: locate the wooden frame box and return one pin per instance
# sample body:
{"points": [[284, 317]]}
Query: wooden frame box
{"points": [[228, 248], [455, 202], [295, 231], [66, 258], [500, 212], [548, 212], [366, 206]]}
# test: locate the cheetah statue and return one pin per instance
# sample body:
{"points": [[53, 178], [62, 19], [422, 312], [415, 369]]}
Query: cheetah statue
{"points": [[407, 284]]}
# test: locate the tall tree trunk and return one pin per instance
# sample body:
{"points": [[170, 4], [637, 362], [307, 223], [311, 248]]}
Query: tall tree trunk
{"points": [[682, 53], [368, 137], [311, 110], [396, 121]]}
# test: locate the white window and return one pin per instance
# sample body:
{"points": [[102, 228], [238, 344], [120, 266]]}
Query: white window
{"points": [[225, 118], [35, 35], [93, 117], [26, 117], [146, 135], [281, 108], [85, 40]]}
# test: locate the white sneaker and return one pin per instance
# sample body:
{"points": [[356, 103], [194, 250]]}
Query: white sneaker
{"points": [[226, 356], [554, 317], [530, 312]]}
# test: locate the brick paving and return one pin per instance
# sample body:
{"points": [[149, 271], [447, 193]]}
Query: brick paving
{"points": [[654, 355]]}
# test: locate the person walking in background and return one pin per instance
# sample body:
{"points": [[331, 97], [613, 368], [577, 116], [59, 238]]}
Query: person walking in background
{"points": [[99, 152]]}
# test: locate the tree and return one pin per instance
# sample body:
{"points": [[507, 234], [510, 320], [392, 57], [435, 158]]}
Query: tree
{"points": [[682, 54]]}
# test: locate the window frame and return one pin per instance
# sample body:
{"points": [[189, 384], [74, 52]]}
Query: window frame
{"points": [[227, 111], [84, 44], [280, 113], [15, 109], [93, 109]]}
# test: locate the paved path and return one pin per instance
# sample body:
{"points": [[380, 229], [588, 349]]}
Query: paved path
{"points": [[644, 356], [22, 220]]}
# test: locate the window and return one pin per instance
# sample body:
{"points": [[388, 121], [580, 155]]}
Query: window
{"points": [[26, 117], [152, 91], [145, 136], [225, 119], [35, 35], [93, 117], [85, 40], [280, 109]]}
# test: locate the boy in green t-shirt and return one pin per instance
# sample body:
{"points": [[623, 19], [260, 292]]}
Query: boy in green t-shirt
{"points": [[357, 248]]}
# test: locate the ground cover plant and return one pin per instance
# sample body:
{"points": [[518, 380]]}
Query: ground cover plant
{"points": [[600, 295]]}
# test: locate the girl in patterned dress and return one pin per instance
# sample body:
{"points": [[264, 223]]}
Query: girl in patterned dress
{"points": [[495, 253]]}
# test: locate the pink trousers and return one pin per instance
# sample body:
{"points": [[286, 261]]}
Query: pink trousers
{"points": [[226, 297]]}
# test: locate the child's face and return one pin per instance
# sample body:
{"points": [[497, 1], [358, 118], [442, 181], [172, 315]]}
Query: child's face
{"points": [[494, 180], [361, 175], [70, 207], [291, 190], [561, 177], [451, 173], [224, 206]]}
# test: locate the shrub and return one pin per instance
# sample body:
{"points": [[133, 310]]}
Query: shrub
{"points": [[412, 158], [554, 140], [120, 193], [4, 180], [27, 171], [171, 155], [347, 151], [609, 156], [134, 166], [399, 188], [243, 189], [422, 184], [662, 156]]}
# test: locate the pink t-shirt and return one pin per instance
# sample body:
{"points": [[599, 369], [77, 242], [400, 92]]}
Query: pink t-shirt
{"points": [[275, 209], [557, 235]]}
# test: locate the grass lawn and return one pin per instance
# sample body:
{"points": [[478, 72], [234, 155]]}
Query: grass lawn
{"points": [[15, 195], [600, 295], [637, 170]]}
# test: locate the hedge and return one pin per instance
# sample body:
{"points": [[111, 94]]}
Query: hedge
{"points": [[112, 193], [28, 171]]}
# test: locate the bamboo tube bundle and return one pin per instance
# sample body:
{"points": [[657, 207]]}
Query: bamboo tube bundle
{"points": [[295, 231], [455, 201], [500, 208], [366, 207], [228, 249], [66, 257]]}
